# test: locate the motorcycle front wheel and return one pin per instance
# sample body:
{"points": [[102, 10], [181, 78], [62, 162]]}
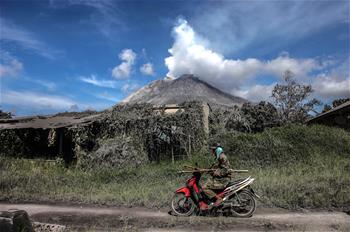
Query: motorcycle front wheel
{"points": [[182, 205], [244, 204]]}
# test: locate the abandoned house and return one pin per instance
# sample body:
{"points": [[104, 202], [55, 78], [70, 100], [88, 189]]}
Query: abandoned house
{"points": [[125, 134], [338, 116]]}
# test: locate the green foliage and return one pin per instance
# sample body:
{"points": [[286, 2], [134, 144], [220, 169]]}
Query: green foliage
{"points": [[10, 143], [26, 143], [321, 182], [285, 145]]}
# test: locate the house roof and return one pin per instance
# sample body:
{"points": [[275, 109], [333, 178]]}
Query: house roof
{"points": [[335, 110], [67, 119], [44, 122]]}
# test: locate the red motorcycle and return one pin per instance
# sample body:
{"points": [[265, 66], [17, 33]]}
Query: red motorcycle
{"points": [[238, 198]]}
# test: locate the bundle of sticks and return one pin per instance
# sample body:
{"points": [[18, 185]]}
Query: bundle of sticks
{"points": [[195, 169]]}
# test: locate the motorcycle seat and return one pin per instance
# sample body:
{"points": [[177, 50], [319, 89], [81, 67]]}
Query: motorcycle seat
{"points": [[234, 182]]}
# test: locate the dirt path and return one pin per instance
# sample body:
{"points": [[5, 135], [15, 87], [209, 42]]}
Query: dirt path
{"points": [[82, 218]]}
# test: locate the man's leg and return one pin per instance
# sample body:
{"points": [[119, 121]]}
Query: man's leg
{"points": [[211, 194], [218, 201]]}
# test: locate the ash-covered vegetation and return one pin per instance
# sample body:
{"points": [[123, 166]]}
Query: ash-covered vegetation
{"points": [[125, 135], [137, 134], [295, 166]]}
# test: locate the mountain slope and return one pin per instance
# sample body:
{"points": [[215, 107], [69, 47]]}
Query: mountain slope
{"points": [[185, 88]]}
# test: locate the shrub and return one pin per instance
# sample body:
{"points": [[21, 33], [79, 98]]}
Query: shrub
{"points": [[285, 145]]}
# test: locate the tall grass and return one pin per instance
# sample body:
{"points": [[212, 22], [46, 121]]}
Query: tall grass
{"points": [[312, 174]]}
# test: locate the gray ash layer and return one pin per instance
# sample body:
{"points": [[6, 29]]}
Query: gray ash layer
{"points": [[184, 89]]}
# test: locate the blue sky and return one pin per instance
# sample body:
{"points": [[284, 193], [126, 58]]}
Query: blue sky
{"points": [[62, 55]]}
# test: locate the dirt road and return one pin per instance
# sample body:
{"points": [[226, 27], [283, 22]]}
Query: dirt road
{"points": [[82, 218]]}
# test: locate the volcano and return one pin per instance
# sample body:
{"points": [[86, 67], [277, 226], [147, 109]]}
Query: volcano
{"points": [[183, 89]]}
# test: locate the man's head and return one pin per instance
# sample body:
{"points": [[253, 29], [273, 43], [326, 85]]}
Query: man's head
{"points": [[216, 150]]}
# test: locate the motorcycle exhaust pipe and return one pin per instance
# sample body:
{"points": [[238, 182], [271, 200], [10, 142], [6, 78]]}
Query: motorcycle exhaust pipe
{"points": [[227, 205]]}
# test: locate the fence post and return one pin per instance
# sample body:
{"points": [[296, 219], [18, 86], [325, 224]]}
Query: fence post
{"points": [[60, 141], [172, 154], [189, 145]]}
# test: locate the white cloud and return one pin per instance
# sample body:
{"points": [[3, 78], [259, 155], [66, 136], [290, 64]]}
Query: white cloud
{"points": [[129, 87], [189, 55], [147, 69], [47, 84], [13, 33], [335, 83], [104, 15], [30, 102], [9, 65], [300, 67], [99, 82], [13, 68], [108, 97], [257, 93], [90, 108], [33, 100], [74, 108], [327, 87], [123, 70]]}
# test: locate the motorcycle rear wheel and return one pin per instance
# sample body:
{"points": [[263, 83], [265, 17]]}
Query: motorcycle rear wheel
{"points": [[182, 205], [247, 204]]}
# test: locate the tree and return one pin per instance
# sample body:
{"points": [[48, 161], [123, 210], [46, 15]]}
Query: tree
{"points": [[326, 108], [260, 116], [5, 115], [291, 99], [338, 102]]}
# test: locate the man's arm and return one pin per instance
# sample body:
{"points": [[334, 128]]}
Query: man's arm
{"points": [[224, 167]]}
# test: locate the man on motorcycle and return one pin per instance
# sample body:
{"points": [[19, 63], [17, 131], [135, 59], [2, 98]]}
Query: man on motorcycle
{"points": [[220, 177]]}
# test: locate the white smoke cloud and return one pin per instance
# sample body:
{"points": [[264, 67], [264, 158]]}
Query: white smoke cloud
{"points": [[123, 70], [190, 55], [147, 69]]}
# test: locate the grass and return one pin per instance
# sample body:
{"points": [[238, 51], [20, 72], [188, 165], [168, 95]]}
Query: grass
{"points": [[316, 175]]}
